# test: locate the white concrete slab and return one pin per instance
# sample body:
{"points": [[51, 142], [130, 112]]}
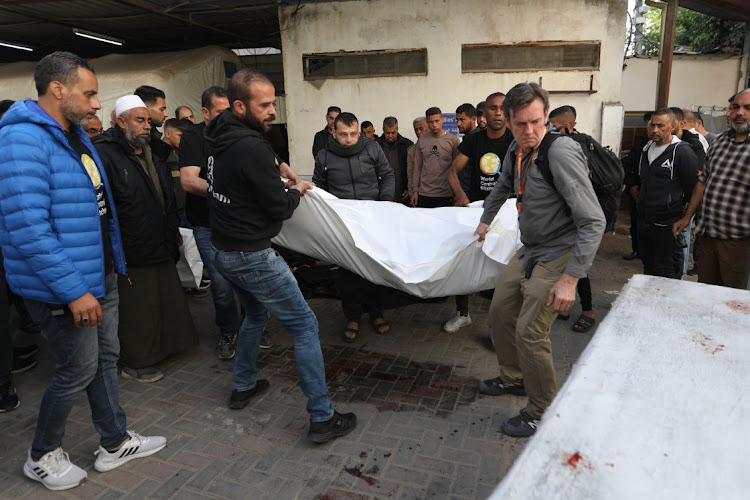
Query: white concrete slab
{"points": [[657, 406]]}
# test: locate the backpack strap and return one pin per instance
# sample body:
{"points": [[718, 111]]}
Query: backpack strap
{"points": [[542, 156]]}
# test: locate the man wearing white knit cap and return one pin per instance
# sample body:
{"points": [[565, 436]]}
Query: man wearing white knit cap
{"points": [[154, 317]]}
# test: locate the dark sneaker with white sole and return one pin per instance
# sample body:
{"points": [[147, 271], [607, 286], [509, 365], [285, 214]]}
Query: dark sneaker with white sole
{"points": [[227, 346], [338, 425], [240, 399], [497, 387], [265, 340], [8, 397], [521, 426], [144, 375]]}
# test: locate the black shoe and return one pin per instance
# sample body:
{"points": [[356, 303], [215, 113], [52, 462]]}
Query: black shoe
{"points": [[25, 352], [631, 256], [338, 425], [520, 426], [227, 346], [194, 292], [21, 365], [240, 399], [8, 397], [693, 271], [265, 340], [496, 387]]}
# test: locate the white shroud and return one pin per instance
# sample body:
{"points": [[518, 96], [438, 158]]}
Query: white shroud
{"points": [[427, 252]]}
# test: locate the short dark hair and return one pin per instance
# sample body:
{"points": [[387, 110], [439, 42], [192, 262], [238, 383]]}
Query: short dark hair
{"points": [[182, 124], [239, 85], [563, 110], [333, 108], [647, 116], [480, 107], [211, 92], [699, 117], [346, 118], [149, 94], [390, 121], [178, 109], [677, 112], [523, 94], [5, 105], [494, 94], [366, 124], [58, 66], [665, 112], [433, 111], [467, 109]]}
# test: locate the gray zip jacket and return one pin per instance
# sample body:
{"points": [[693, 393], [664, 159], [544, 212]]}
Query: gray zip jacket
{"points": [[358, 172], [553, 219]]}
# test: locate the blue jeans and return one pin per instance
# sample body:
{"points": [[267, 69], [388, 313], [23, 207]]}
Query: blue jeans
{"points": [[265, 284], [86, 358], [227, 317]]}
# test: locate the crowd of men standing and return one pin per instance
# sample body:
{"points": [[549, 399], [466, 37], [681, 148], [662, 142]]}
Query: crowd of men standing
{"points": [[89, 229]]}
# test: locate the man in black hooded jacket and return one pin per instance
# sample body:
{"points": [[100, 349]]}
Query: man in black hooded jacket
{"points": [[247, 205], [355, 168]]}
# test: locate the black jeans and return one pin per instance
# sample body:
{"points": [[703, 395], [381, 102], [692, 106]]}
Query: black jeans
{"points": [[584, 291], [657, 248], [358, 295], [633, 223]]}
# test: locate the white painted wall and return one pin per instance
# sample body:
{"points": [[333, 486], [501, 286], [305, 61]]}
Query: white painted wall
{"points": [[441, 26], [700, 80]]}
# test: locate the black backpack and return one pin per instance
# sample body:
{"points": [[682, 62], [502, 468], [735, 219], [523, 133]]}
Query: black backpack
{"points": [[605, 171]]}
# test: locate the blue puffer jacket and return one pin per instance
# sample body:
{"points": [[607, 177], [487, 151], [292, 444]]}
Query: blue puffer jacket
{"points": [[49, 218]]}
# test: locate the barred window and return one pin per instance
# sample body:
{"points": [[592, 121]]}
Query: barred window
{"points": [[537, 56], [365, 64]]}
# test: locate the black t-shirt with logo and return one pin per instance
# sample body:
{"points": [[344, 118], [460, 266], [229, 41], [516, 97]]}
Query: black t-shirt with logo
{"points": [[101, 195], [485, 161]]}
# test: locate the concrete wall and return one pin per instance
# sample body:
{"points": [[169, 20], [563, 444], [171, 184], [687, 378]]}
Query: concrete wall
{"points": [[697, 80], [441, 27]]}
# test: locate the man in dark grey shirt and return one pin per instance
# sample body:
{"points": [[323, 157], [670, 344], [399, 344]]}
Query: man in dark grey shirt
{"points": [[561, 227]]}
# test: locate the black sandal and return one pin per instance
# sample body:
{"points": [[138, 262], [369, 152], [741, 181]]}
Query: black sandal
{"points": [[583, 324], [354, 331], [378, 326]]}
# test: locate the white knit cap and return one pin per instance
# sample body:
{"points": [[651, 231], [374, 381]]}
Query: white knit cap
{"points": [[128, 102]]}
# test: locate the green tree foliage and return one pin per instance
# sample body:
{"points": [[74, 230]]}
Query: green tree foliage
{"points": [[701, 32]]}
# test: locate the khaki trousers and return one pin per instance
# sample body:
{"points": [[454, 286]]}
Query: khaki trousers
{"points": [[521, 322]]}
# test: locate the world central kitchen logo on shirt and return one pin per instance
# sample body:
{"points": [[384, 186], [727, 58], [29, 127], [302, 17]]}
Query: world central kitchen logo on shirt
{"points": [[489, 164], [92, 170]]}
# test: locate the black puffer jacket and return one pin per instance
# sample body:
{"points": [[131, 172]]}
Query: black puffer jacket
{"points": [[357, 172], [149, 232]]}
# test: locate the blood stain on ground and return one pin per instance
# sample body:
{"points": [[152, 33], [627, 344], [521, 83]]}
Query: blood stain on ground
{"points": [[357, 472]]}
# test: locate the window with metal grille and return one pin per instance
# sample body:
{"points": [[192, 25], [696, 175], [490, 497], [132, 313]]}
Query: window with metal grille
{"points": [[536, 56], [365, 64]]}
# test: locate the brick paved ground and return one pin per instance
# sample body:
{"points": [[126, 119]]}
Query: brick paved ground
{"points": [[423, 430]]}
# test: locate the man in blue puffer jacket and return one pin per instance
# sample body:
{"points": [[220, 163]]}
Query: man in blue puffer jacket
{"points": [[61, 242]]}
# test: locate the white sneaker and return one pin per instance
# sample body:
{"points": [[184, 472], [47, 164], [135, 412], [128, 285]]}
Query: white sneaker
{"points": [[136, 447], [54, 470], [456, 322]]}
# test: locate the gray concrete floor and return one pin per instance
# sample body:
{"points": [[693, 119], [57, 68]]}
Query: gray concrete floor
{"points": [[423, 431]]}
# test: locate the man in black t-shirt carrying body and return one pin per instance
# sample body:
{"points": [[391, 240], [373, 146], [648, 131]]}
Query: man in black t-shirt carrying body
{"points": [[483, 153]]}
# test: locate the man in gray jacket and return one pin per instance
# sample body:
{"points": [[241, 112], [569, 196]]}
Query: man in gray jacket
{"points": [[355, 168], [561, 227]]}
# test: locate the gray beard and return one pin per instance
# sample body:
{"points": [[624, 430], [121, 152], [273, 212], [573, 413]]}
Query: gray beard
{"points": [[134, 140], [740, 129]]}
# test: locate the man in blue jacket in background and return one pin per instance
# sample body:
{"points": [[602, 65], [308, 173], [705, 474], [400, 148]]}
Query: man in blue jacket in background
{"points": [[61, 242]]}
